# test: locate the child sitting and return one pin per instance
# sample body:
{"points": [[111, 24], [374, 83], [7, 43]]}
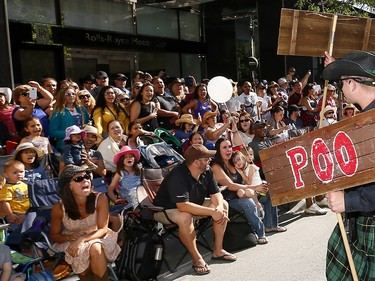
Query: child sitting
{"points": [[31, 157], [250, 175], [6, 270], [34, 130], [74, 151], [128, 176], [14, 199]]}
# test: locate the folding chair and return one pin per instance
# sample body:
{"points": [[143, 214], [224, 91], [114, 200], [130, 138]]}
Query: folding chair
{"points": [[151, 179]]}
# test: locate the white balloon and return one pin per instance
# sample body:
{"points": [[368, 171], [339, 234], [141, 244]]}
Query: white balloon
{"points": [[220, 89]]}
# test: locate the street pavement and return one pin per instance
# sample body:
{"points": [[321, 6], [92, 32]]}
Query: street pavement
{"points": [[297, 254]]}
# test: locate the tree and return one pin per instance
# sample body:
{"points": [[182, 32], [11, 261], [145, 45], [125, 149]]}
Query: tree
{"points": [[359, 8]]}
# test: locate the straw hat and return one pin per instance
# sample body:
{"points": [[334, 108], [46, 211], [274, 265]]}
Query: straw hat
{"points": [[92, 130], [28, 145], [207, 115], [349, 106], [185, 118]]}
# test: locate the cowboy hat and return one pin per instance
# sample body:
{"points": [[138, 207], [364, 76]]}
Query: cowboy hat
{"points": [[185, 118], [207, 115], [127, 150]]}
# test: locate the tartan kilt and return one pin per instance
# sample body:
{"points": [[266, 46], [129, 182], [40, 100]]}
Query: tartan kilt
{"points": [[362, 249]]}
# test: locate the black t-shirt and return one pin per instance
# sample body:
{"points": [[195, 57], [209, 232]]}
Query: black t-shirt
{"points": [[180, 186]]}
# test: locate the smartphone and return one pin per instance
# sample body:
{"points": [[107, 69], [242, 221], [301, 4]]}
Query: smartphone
{"points": [[33, 93]]}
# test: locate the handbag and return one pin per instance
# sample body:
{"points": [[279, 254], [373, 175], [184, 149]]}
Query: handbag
{"points": [[238, 236]]}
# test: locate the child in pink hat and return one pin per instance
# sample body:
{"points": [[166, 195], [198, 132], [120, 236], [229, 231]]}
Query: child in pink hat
{"points": [[127, 176]]}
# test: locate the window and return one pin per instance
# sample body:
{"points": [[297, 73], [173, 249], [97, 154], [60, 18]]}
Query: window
{"points": [[189, 26], [97, 14], [157, 22], [41, 11]]}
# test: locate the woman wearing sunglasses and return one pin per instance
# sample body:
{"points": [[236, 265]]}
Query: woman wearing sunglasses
{"points": [[66, 112], [86, 99], [29, 107], [244, 126], [79, 225]]}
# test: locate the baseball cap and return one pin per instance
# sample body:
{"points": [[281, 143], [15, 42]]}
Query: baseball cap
{"points": [[281, 81], [121, 76], [294, 107], [197, 151], [101, 74]]}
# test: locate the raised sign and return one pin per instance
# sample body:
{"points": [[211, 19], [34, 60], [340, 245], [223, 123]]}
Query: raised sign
{"points": [[305, 33], [336, 157]]}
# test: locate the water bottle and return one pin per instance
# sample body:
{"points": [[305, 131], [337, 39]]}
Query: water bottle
{"points": [[158, 252]]}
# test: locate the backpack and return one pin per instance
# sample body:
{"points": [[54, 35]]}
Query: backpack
{"points": [[142, 254]]}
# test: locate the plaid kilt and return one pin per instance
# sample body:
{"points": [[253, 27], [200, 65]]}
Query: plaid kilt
{"points": [[362, 249]]}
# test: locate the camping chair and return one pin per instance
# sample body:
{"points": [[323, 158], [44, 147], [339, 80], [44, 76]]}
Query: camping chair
{"points": [[168, 137], [151, 179]]}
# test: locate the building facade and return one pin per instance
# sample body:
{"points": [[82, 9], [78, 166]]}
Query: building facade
{"points": [[203, 38]]}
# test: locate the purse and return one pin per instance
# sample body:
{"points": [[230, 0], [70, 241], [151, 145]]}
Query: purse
{"points": [[238, 236]]}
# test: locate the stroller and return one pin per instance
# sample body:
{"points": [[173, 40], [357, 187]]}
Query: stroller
{"points": [[156, 153]]}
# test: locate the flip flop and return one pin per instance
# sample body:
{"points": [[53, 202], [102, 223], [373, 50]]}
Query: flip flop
{"points": [[226, 257], [276, 229], [262, 241], [198, 269]]}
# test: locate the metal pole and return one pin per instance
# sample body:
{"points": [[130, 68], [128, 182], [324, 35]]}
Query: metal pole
{"points": [[6, 77]]}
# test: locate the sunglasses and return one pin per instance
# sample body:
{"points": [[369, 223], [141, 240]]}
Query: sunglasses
{"points": [[84, 96], [137, 87], [124, 100], [244, 120], [81, 178], [24, 94]]}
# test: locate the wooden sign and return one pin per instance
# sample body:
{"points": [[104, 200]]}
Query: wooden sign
{"points": [[305, 33], [336, 157]]}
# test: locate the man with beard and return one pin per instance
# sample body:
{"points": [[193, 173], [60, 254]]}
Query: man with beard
{"points": [[183, 194]]}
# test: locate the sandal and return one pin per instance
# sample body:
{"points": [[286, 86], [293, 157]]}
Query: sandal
{"points": [[262, 240], [276, 229], [201, 269]]}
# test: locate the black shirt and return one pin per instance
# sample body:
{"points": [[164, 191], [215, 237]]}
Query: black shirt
{"points": [[180, 186]]}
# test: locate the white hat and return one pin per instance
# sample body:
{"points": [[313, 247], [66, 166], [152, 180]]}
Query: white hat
{"points": [[281, 81], [7, 93], [73, 130]]}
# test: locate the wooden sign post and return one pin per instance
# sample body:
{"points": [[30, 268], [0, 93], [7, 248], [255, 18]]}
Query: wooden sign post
{"points": [[304, 33], [336, 157]]}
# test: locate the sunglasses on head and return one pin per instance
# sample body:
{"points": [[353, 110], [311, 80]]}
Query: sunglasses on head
{"points": [[84, 96], [81, 178]]}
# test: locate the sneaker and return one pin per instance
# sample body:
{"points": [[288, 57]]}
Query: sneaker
{"points": [[314, 209], [323, 203]]}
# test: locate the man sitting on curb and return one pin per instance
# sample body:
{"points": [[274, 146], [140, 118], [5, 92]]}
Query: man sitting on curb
{"points": [[183, 193]]}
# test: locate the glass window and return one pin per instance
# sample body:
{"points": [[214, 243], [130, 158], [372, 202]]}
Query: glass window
{"points": [[36, 64], [157, 22], [97, 14], [189, 26], [154, 62], [41, 11], [191, 65]]}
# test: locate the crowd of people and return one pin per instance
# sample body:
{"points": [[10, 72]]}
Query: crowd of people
{"points": [[94, 126]]}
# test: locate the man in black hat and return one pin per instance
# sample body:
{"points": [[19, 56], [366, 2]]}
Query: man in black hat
{"points": [[88, 82], [355, 73], [101, 81], [183, 194], [120, 83]]}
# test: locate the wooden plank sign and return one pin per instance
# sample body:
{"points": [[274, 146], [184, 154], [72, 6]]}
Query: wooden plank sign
{"points": [[303, 33], [336, 157]]}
